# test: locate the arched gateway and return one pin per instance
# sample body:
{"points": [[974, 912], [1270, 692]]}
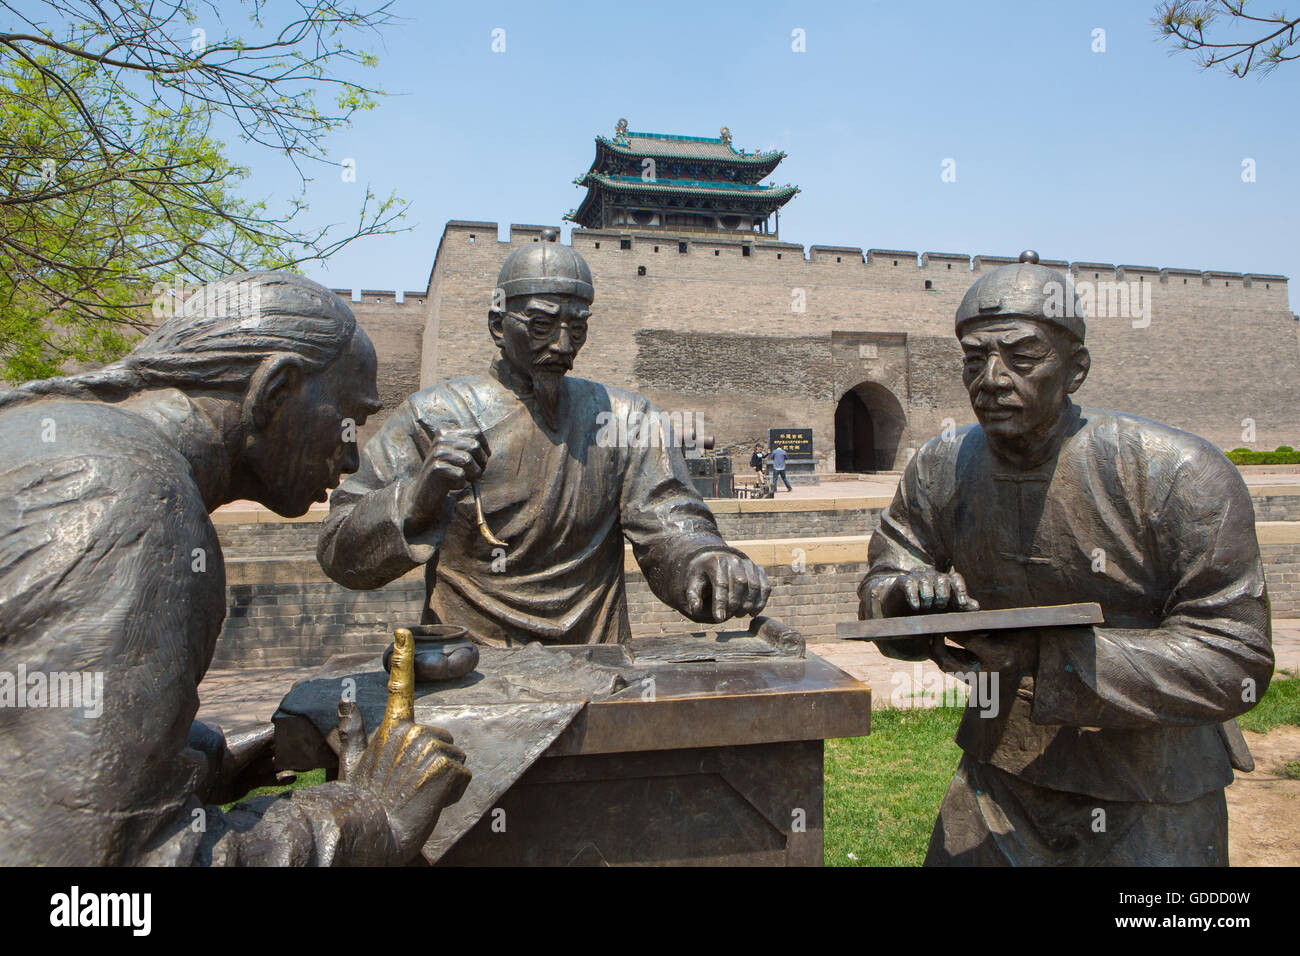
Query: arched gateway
{"points": [[869, 424]]}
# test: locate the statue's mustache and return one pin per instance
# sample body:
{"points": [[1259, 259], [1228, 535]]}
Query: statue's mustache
{"points": [[554, 363]]}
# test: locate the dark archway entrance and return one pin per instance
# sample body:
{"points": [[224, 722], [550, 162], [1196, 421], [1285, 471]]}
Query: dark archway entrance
{"points": [[869, 424]]}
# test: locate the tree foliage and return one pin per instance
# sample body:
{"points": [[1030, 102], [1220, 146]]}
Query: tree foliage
{"points": [[113, 181], [1224, 35]]}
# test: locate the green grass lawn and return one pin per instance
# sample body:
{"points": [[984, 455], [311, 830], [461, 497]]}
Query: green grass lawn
{"points": [[883, 791], [309, 778], [1281, 705]]}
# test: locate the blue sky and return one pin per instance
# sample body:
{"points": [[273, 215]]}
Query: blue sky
{"points": [[1127, 156]]}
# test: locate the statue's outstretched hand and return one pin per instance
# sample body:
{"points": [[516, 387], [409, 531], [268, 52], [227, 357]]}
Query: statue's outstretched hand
{"points": [[924, 591], [412, 769], [721, 585]]}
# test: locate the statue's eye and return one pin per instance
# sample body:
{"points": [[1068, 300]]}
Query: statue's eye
{"points": [[541, 326]]}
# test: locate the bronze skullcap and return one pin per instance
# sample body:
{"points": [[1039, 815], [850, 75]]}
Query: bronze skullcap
{"points": [[542, 267], [1026, 290]]}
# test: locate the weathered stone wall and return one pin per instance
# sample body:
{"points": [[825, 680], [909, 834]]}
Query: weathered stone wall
{"points": [[299, 539], [1282, 575], [283, 611], [1276, 507], [713, 330], [738, 520], [396, 329], [305, 622]]}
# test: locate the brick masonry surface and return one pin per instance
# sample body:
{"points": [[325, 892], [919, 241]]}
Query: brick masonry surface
{"points": [[777, 336], [304, 623], [299, 538], [1277, 507], [1282, 574]]}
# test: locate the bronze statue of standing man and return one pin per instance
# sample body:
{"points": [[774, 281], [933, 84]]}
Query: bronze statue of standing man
{"points": [[1106, 746], [509, 492]]}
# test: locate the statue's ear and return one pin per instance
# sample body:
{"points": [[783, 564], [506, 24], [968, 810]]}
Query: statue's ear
{"points": [[495, 326], [278, 377], [1082, 364]]}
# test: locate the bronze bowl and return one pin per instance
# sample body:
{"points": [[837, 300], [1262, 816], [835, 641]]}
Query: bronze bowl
{"points": [[442, 652]]}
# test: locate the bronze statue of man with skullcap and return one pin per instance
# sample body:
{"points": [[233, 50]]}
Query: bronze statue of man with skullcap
{"points": [[504, 488], [1109, 743]]}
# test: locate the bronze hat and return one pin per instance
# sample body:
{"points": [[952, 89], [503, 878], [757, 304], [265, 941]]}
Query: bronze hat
{"points": [[542, 267], [1025, 289]]}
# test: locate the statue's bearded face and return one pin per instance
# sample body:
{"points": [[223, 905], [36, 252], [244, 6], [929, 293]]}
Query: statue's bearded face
{"points": [[540, 336], [1020, 373]]}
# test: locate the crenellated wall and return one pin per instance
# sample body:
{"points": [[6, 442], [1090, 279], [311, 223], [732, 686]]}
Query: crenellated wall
{"points": [[395, 324], [778, 335]]}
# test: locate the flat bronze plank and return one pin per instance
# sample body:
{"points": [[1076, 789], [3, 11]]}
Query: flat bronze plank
{"points": [[956, 622]]}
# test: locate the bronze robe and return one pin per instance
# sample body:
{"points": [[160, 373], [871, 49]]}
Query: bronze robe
{"points": [[109, 563], [564, 501], [1156, 526]]}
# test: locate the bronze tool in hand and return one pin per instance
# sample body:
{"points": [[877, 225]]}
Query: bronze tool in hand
{"points": [[473, 485]]}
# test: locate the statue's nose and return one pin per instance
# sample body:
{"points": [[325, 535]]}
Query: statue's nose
{"points": [[351, 458], [995, 374]]}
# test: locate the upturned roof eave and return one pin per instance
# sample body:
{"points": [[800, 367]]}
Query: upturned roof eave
{"points": [[601, 181]]}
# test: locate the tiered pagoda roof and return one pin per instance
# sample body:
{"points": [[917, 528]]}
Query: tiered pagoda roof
{"points": [[686, 178]]}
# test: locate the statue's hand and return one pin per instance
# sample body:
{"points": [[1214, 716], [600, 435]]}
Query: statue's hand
{"points": [[924, 591], [721, 585], [412, 769], [982, 651], [457, 457]]}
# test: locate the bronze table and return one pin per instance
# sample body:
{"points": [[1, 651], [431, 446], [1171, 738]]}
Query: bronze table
{"points": [[678, 761]]}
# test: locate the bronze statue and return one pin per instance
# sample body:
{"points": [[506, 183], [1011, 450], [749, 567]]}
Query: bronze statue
{"points": [[1105, 745], [509, 491], [111, 576]]}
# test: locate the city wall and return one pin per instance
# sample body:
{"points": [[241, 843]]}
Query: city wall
{"points": [[777, 336], [283, 610]]}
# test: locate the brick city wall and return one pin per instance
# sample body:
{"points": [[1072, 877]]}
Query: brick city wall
{"points": [[1282, 575], [298, 538], [713, 331], [284, 611], [293, 539], [396, 329], [1276, 507], [304, 623]]}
